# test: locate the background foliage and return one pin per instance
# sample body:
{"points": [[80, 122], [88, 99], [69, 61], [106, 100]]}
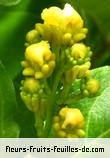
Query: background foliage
{"points": [[17, 17]]}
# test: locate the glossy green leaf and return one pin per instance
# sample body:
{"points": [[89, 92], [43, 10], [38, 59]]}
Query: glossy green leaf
{"points": [[8, 126], [9, 2], [98, 120]]}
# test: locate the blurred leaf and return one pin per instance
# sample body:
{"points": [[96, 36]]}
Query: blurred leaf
{"points": [[12, 36], [8, 127], [95, 108], [9, 2]]}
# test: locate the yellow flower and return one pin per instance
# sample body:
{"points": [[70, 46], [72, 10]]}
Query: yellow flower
{"points": [[32, 36], [31, 85], [72, 19], [52, 16], [77, 72], [79, 50], [69, 123], [29, 93], [37, 53], [72, 117], [40, 59], [67, 19], [92, 87]]}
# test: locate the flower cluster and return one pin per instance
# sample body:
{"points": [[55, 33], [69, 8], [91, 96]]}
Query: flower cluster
{"points": [[69, 123], [40, 61], [55, 57], [68, 23], [29, 93], [60, 27], [79, 55], [89, 87], [39, 64]]}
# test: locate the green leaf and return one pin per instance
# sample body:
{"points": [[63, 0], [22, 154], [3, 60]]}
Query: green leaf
{"points": [[98, 120], [96, 110], [105, 134], [8, 127], [12, 35], [9, 2]]}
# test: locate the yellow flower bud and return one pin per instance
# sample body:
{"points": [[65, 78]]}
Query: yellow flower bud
{"points": [[67, 17], [92, 86], [31, 85], [44, 31], [85, 92], [67, 38], [56, 126], [56, 119], [31, 102], [72, 117], [79, 37], [79, 50], [77, 72], [28, 71], [66, 24], [69, 123], [36, 53], [41, 59], [25, 64], [83, 69], [61, 134], [52, 16], [72, 20], [39, 75], [32, 37], [80, 133], [26, 99], [62, 112], [45, 69]]}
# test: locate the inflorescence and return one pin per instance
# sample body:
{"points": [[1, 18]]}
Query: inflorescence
{"points": [[55, 56]]}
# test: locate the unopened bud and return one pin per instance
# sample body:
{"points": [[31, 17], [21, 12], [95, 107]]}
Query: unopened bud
{"points": [[92, 86]]}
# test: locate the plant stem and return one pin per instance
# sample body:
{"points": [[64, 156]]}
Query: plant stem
{"points": [[51, 103], [64, 93], [74, 99], [49, 116], [39, 124]]}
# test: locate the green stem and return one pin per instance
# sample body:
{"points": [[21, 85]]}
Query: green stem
{"points": [[39, 125], [51, 103], [64, 93], [49, 116], [74, 99], [48, 91]]}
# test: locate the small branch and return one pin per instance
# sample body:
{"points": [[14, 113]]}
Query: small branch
{"points": [[74, 99]]}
